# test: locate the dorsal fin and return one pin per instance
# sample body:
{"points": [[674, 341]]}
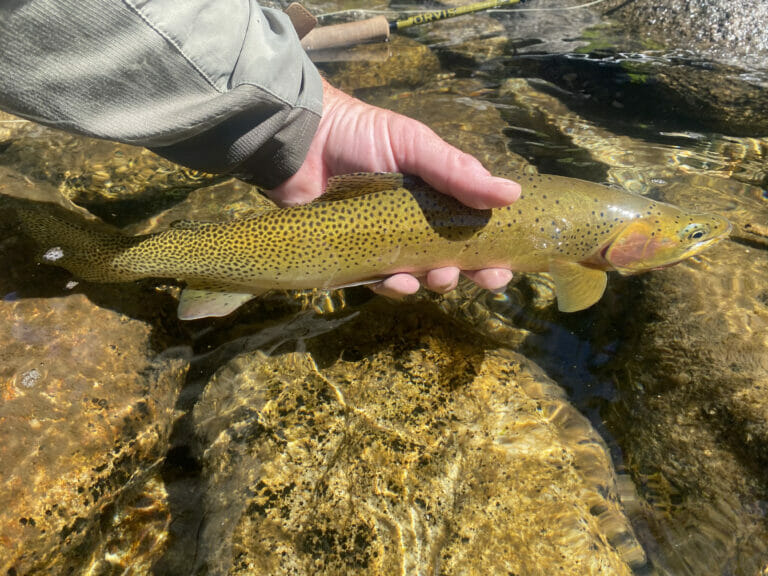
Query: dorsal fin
{"points": [[187, 224], [252, 212], [257, 205], [360, 184], [252, 207]]}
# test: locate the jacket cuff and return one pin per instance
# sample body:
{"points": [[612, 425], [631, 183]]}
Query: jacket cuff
{"points": [[264, 145]]}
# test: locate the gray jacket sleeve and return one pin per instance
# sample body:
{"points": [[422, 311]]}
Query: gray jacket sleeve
{"points": [[217, 85]]}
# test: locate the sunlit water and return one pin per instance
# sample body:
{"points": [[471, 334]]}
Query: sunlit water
{"points": [[338, 433]]}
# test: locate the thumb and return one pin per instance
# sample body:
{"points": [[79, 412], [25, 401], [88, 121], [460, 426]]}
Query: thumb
{"points": [[421, 152]]}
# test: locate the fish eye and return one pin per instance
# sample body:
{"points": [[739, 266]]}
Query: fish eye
{"points": [[694, 231]]}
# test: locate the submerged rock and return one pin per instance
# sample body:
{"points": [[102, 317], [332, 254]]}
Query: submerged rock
{"points": [[687, 65], [692, 413], [224, 200], [642, 165], [85, 415], [406, 64], [117, 182], [423, 451], [684, 349], [723, 30]]}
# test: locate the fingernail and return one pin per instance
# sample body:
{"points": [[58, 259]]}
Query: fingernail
{"points": [[382, 290], [504, 276], [510, 188]]}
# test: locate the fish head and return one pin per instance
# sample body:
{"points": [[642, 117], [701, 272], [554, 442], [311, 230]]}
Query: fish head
{"points": [[658, 241]]}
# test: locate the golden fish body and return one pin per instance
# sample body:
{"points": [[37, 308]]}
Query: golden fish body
{"points": [[369, 226]]}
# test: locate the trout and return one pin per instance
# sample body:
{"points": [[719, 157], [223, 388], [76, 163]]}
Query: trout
{"points": [[369, 226]]}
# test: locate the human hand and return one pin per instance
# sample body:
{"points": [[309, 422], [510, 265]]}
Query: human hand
{"points": [[357, 137]]}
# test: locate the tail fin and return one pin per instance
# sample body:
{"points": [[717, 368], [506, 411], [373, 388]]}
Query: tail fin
{"points": [[84, 247]]}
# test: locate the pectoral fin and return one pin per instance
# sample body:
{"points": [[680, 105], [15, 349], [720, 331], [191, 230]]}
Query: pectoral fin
{"points": [[195, 304], [577, 286]]}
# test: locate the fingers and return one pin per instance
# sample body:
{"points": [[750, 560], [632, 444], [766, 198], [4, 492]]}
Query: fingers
{"points": [[494, 279], [397, 286], [300, 188], [442, 280], [306, 184]]}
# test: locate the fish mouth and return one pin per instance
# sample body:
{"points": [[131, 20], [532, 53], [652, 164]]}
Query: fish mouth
{"points": [[692, 251], [699, 246]]}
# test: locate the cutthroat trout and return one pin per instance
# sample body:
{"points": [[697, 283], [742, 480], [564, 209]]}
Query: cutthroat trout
{"points": [[369, 226]]}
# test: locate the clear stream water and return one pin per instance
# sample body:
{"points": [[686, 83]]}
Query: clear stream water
{"points": [[670, 368]]}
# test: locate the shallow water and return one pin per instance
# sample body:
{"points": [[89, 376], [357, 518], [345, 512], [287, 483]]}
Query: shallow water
{"points": [[340, 433]]}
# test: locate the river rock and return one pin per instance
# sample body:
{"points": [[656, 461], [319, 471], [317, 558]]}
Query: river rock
{"points": [[691, 370], [679, 65], [722, 30], [85, 417], [225, 200], [406, 63], [85, 414], [716, 70], [402, 445], [692, 414], [117, 182]]}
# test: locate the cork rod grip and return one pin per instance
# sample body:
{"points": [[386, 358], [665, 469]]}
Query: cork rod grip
{"points": [[341, 35]]}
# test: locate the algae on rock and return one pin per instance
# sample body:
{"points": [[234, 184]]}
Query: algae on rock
{"points": [[423, 451]]}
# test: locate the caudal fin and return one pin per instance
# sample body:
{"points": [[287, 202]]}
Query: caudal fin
{"points": [[84, 247]]}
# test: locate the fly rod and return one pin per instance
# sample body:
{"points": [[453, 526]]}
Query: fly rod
{"points": [[435, 15], [378, 29]]}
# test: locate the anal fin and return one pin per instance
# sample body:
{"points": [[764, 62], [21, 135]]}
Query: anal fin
{"points": [[195, 304], [577, 286]]}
